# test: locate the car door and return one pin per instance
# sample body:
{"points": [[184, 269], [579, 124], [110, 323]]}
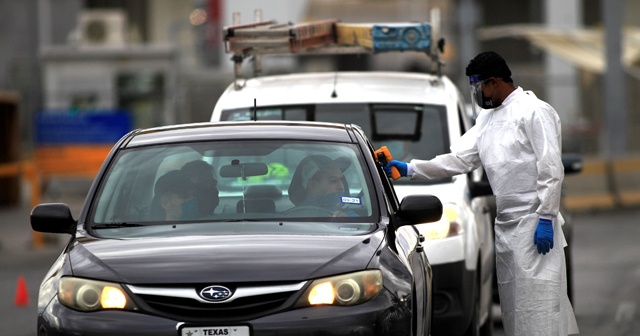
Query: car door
{"points": [[409, 244], [421, 270], [410, 247]]}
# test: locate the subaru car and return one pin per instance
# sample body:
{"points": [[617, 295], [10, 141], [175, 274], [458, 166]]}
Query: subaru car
{"points": [[208, 229]]}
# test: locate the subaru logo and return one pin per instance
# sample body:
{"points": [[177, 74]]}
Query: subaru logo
{"points": [[215, 293]]}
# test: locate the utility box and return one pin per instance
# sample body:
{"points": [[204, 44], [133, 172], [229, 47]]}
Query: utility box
{"points": [[10, 148]]}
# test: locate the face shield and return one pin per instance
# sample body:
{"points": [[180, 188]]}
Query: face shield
{"points": [[481, 102]]}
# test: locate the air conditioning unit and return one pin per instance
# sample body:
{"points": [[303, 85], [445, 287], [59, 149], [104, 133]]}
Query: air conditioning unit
{"points": [[103, 27]]}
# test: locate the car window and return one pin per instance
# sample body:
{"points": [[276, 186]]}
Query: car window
{"points": [[236, 186], [410, 131]]}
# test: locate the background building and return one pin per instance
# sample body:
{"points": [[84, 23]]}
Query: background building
{"points": [[164, 61]]}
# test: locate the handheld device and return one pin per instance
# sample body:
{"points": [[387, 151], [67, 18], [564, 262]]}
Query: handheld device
{"points": [[383, 156]]}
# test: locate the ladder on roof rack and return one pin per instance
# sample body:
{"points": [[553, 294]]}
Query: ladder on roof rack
{"points": [[330, 37]]}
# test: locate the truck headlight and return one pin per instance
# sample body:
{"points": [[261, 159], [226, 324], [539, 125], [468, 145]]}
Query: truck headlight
{"points": [[447, 226]]}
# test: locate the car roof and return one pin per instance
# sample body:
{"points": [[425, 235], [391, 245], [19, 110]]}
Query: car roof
{"points": [[349, 87], [241, 130]]}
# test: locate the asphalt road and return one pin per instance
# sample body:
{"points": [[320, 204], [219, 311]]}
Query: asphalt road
{"points": [[606, 252]]}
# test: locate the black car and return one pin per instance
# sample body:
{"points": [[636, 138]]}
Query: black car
{"points": [[214, 229]]}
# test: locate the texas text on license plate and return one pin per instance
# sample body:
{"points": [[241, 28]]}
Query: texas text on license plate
{"points": [[215, 331]]}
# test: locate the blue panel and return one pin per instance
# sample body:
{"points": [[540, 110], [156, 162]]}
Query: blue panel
{"points": [[401, 37], [95, 127]]}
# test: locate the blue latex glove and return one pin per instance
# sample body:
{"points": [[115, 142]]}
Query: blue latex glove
{"points": [[401, 166], [543, 237]]}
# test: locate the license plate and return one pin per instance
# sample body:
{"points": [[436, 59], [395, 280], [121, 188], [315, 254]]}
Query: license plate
{"points": [[215, 331]]}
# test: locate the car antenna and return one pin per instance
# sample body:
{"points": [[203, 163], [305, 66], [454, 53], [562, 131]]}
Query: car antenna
{"points": [[255, 110], [334, 94]]}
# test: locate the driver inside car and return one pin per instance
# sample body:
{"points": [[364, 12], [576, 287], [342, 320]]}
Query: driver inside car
{"points": [[323, 183]]}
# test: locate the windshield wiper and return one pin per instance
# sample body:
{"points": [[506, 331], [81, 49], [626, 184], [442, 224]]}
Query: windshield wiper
{"points": [[243, 220], [117, 225]]}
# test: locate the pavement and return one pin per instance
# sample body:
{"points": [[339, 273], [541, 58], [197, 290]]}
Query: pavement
{"points": [[20, 257]]}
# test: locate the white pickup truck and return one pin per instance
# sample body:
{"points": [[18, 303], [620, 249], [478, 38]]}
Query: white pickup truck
{"points": [[416, 115]]}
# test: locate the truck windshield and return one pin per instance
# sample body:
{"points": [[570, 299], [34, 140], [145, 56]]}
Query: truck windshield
{"points": [[418, 131]]}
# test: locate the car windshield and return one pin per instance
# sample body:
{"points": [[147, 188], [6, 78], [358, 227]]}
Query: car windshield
{"points": [[229, 187], [410, 131]]}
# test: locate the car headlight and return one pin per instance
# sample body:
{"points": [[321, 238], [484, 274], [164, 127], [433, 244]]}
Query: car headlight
{"points": [[90, 295], [343, 290], [447, 226]]}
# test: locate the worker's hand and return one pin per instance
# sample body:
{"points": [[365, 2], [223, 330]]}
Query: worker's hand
{"points": [[543, 237], [401, 166]]}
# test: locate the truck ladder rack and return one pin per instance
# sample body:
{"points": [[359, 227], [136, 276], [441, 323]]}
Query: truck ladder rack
{"points": [[330, 37]]}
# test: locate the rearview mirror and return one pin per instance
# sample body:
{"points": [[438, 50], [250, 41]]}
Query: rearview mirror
{"points": [[244, 170]]}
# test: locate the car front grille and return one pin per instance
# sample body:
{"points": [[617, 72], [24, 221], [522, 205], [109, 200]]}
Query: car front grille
{"points": [[195, 309], [185, 304]]}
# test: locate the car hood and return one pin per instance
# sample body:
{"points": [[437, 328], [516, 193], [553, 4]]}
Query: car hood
{"points": [[232, 258]]}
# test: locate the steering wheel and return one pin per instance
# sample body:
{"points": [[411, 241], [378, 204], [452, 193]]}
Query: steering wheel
{"points": [[308, 210]]}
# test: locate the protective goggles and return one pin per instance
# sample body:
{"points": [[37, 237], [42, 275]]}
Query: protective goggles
{"points": [[476, 92]]}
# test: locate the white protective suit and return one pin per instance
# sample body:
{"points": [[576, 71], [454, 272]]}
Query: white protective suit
{"points": [[519, 145]]}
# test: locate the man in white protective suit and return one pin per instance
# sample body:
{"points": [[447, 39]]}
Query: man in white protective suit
{"points": [[517, 138]]}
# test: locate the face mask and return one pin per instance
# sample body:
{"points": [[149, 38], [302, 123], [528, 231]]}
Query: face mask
{"points": [[189, 209], [477, 95], [482, 101]]}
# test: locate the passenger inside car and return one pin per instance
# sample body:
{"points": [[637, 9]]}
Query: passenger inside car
{"points": [[173, 197], [205, 186]]}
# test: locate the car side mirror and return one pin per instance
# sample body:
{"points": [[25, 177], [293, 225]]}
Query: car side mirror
{"points": [[481, 187], [572, 163], [418, 209], [53, 218]]}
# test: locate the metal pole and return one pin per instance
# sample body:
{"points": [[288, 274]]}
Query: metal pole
{"points": [[468, 21], [562, 86], [44, 24], [257, 59], [615, 107], [614, 88], [237, 59]]}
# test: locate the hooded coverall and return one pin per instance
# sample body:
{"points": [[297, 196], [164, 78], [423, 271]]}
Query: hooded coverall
{"points": [[519, 145]]}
